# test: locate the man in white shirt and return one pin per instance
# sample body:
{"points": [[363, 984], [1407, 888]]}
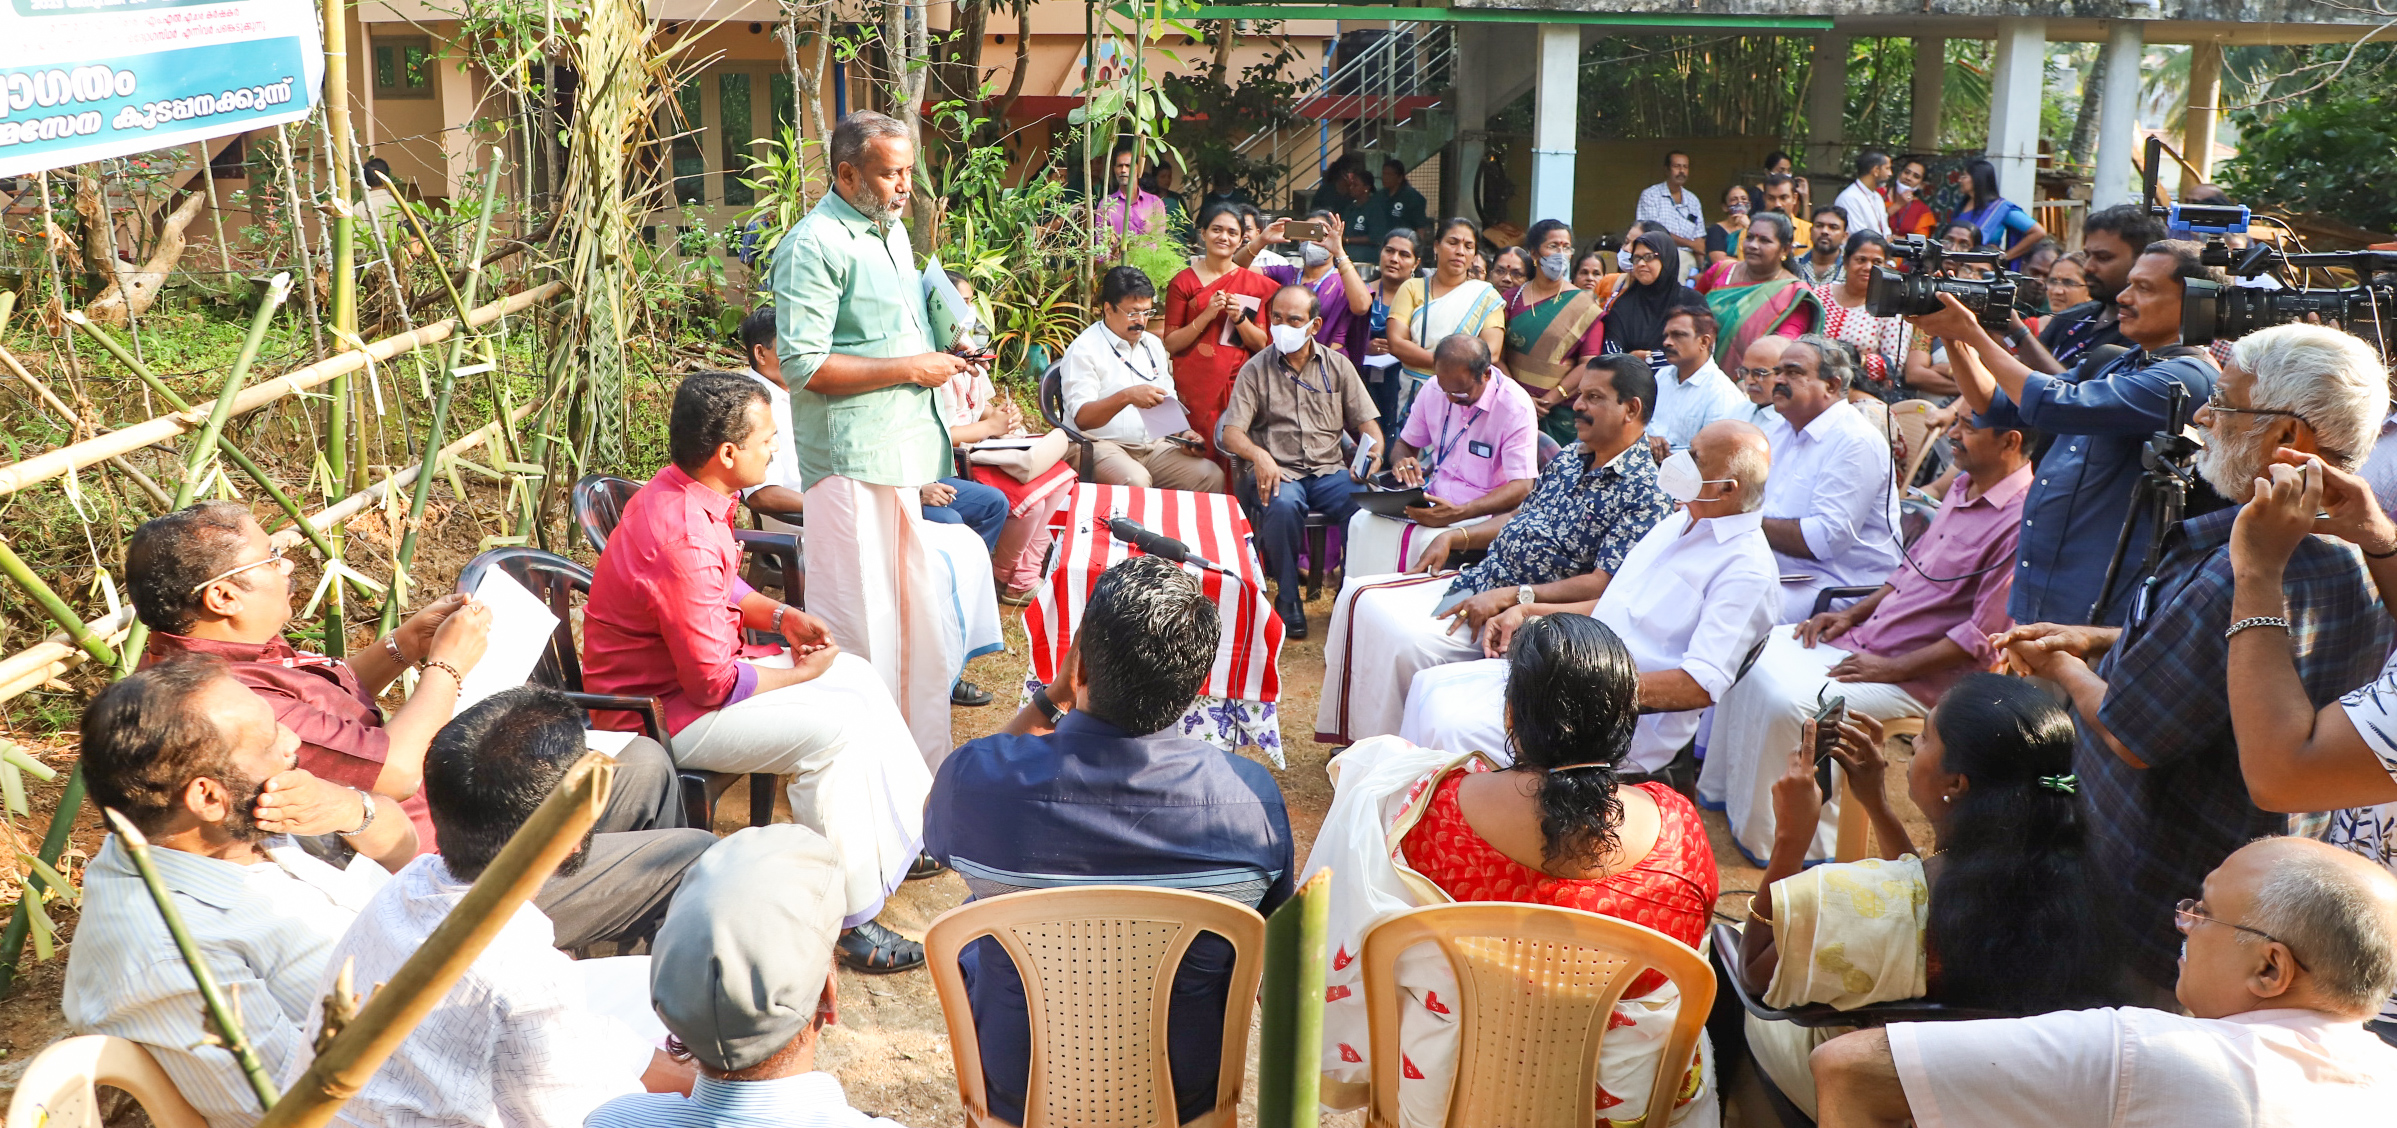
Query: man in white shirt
{"points": [[516, 1041], [2290, 948], [1692, 598], [1116, 370], [1867, 210], [1669, 206], [1694, 391], [203, 770], [1831, 513]]}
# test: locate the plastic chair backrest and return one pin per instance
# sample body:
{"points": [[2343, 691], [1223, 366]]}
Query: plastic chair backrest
{"points": [[1536, 986], [1911, 420], [555, 580], [1052, 398], [56, 1089], [599, 503], [1548, 450], [1098, 965]]}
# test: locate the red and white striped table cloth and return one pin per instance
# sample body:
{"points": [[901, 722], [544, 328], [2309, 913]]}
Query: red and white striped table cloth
{"points": [[1236, 706]]}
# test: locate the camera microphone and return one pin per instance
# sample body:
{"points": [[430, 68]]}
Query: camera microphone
{"points": [[1157, 544]]}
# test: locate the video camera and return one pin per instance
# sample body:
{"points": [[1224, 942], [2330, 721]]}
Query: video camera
{"points": [[1915, 292], [2212, 311]]}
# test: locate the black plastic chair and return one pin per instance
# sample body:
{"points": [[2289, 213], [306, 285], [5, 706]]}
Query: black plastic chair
{"points": [[1052, 409], [556, 580], [1315, 529], [599, 501]]}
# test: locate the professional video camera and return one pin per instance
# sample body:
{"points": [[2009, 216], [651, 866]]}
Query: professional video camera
{"points": [[2212, 311], [1915, 292]]}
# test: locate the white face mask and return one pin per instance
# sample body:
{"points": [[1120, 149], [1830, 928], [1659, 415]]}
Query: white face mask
{"points": [[1288, 339], [1555, 267], [1623, 259], [1678, 476]]}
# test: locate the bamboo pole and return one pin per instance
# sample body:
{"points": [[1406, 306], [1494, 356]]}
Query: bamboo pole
{"points": [[345, 1064], [404, 559], [228, 1026], [52, 464], [23, 575], [55, 655], [345, 282], [240, 458], [204, 451], [41, 391], [54, 843]]}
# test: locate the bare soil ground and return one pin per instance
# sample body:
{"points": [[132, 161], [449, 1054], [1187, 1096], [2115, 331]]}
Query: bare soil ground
{"points": [[891, 1047]]}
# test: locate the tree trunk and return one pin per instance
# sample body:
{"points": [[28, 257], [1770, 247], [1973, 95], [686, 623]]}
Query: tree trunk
{"points": [[1227, 36], [132, 291], [2084, 127], [1023, 62]]}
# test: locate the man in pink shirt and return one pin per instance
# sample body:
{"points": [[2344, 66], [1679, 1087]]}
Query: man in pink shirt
{"points": [[1127, 209], [1471, 440], [1896, 650], [665, 620]]}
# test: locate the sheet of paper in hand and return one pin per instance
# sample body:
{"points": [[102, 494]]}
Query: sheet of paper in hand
{"points": [[1243, 305], [520, 628], [1166, 418]]}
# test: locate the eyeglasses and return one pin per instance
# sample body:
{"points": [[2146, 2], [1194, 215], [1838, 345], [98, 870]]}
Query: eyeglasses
{"points": [[1137, 316], [2214, 403], [274, 555], [1638, 259], [1754, 373], [2186, 915]]}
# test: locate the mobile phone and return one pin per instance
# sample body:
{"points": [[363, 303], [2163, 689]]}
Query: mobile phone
{"points": [[1826, 737], [1305, 230], [1186, 444]]}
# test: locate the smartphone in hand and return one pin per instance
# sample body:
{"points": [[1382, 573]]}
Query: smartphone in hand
{"points": [[1826, 737]]}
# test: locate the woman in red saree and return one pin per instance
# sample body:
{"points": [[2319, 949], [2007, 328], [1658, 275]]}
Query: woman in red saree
{"points": [[1758, 294], [1212, 322]]}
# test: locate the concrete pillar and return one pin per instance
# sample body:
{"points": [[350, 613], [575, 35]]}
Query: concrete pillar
{"points": [[1930, 85], [1827, 109], [2014, 98], [2205, 107], [2118, 116], [1473, 115], [1556, 97]]}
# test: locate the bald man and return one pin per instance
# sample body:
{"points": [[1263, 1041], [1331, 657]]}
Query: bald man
{"points": [[1692, 598], [2291, 947]]}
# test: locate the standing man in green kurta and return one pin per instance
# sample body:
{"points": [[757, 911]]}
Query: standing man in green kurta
{"points": [[851, 336]]}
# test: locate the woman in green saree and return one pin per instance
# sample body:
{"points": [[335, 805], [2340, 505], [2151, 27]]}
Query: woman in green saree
{"points": [[1758, 294], [1550, 326]]}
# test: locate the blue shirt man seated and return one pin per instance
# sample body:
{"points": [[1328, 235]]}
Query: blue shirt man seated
{"points": [[1111, 795]]}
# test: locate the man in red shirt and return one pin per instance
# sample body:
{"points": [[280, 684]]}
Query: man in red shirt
{"points": [[208, 580], [665, 620]]}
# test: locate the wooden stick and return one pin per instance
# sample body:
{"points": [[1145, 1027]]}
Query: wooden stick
{"points": [[554, 832], [52, 464]]}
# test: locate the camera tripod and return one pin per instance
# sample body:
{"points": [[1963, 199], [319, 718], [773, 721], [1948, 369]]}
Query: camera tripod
{"points": [[2161, 493]]}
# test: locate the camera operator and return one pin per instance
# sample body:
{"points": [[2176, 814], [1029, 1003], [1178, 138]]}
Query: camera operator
{"points": [[2101, 414], [2110, 241]]}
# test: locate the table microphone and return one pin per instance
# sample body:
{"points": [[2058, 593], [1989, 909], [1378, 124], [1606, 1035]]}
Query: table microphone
{"points": [[1157, 544]]}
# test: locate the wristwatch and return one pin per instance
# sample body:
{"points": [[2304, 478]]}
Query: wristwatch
{"points": [[776, 625], [367, 820], [1522, 594], [1050, 709]]}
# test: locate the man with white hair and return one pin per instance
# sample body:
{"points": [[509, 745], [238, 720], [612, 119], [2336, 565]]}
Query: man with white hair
{"points": [[2286, 950], [1831, 513], [2341, 758], [2157, 755], [1692, 598]]}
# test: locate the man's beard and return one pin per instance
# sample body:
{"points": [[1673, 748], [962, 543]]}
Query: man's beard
{"points": [[879, 212], [2231, 467], [241, 806], [2101, 290]]}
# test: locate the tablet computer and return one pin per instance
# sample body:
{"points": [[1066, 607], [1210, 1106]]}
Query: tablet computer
{"points": [[1388, 503]]}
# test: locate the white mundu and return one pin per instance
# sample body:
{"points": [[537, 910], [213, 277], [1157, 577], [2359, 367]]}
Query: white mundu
{"points": [[856, 777], [1378, 544], [1689, 598], [1386, 624]]}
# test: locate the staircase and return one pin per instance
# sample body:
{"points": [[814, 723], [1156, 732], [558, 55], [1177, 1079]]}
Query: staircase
{"points": [[1388, 93]]}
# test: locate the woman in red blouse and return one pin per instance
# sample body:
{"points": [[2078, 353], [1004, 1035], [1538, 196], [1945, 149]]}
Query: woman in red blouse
{"points": [[1559, 827]]}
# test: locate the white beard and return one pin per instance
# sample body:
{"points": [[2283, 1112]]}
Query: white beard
{"points": [[2231, 467]]}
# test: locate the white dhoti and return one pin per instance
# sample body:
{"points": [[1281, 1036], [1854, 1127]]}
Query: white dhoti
{"points": [[856, 776], [1385, 622], [1757, 725], [1462, 708], [884, 588], [973, 593], [1378, 544]]}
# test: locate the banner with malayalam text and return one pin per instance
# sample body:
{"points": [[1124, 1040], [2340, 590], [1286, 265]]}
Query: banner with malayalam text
{"points": [[85, 79]]}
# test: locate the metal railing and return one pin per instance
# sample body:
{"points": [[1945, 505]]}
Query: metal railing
{"points": [[1388, 98]]}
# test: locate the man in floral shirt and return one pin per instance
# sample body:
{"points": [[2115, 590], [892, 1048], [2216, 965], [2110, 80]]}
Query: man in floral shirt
{"points": [[1592, 502]]}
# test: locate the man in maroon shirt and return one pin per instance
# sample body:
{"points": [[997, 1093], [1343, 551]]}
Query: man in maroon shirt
{"points": [[208, 580], [665, 620]]}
